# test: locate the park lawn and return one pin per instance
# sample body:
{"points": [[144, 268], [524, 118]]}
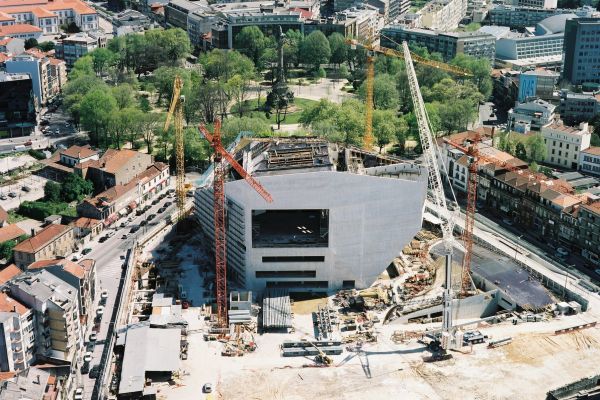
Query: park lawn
{"points": [[13, 217], [291, 118]]}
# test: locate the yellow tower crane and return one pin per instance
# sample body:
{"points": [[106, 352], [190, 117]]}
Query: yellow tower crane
{"points": [[371, 50], [176, 113]]}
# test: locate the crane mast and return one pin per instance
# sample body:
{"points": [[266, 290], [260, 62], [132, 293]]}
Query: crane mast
{"points": [[436, 191], [176, 113]]}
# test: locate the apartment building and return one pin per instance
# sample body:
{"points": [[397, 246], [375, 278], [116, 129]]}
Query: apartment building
{"points": [[73, 47], [544, 4], [443, 15], [53, 241], [31, 384], [578, 107], [115, 167], [18, 111], [448, 44], [397, 8], [48, 15], [17, 335], [582, 51], [56, 309], [40, 72], [62, 162], [589, 231], [532, 114], [564, 143], [523, 17], [589, 160], [80, 275], [10, 45]]}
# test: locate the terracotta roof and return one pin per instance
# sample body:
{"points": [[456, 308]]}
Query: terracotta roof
{"points": [[4, 376], [56, 61], [463, 160], [8, 273], [112, 194], [87, 263], [41, 239], [565, 128], [152, 172], [5, 41], [85, 222], [18, 28], [19, 6], [303, 13], [8, 304], [69, 266], [113, 160], [41, 12], [6, 17], [10, 232], [13, 3], [592, 150], [3, 215], [566, 200], [79, 152]]}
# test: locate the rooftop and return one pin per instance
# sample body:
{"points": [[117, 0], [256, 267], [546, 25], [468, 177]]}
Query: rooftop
{"points": [[29, 384], [107, 197], [6, 77], [113, 160], [42, 238], [79, 152], [18, 28], [69, 266], [8, 304], [10, 232], [8, 273], [85, 223], [43, 6], [566, 129], [592, 150]]}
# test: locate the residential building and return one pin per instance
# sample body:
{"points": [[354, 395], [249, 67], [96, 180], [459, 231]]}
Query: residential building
{"points": [[314, 195], [17, 336], [199, 23], [18, 106], [545, 4], [115, 167], [122, 199], [589, 160], [38, 70], [564, 143], [31, 384], [9, 272], [55, 304], [589, 231], [81, 275], [177, 11], [397, 8], [53, 241], [20, 31], [48, 15], [78, 45], [86, 228], [534, 113], [449, 44], [10, 45], [523, 17], [62, 162], [578, 107], [132, 19], [443, 15], [537, 83], [582, 51]]}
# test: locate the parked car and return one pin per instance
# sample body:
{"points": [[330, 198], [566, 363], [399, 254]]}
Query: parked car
{"points": [[100, 311], [26, 189], [110, 234], [12, 194], [134, 229], [104, 296], [171, 191], [3, 196], [76, 257], [93, 337], [95, 372], [143, 223], [124, 237], [103, 239], [155, 201], [507, 221], [151, 217], [78, 394], [168, 203], [562, 252], [86, 251], [597, 271], [123, 224], [87, 357], [162, 209]]}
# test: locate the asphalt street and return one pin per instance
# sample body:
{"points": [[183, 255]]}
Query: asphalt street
{"points": [[109, 257]]}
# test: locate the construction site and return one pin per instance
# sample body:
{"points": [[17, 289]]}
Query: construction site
{"points": [[315, 270]]}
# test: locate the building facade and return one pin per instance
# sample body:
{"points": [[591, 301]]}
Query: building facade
{"points": [[564, 143], [50, 14], [533, 113], [578, 107], [78, 45], [17, 334], [309, 238], [38, 70], [443, 15], [18, 112], [589, 160], [582, 51], [545, 4], [21, 31], [449, 44], [53, 241], [115, 167], [523, 17]]}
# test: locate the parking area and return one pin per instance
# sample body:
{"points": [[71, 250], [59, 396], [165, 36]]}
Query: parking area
{"points": [[30, 188]]}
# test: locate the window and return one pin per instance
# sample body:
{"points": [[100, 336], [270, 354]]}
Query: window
{"points": [[286, 274], [269, 259]]}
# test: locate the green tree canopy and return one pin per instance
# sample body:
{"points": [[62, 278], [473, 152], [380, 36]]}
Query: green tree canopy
{"points": [[234, 125], [75, 188], [95, 110], [30, 43], [385, 94], [338, 47], [46, 46], [52, 191], [315, 50], [536, 148], [252, 43]]}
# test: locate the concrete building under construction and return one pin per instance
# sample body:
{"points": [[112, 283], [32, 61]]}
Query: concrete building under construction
{"points": [[339, 215]]}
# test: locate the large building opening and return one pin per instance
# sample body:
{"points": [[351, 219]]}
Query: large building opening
{"points": [[290, 228]]}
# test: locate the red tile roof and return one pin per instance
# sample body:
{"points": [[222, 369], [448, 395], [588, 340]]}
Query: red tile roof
{"points": [[592, 150], [4, 376], [8, 304], [18, 28], [79, 152], [69, 266], [8, 273], [42, 238], [10, 232], [85, 222], [113, 160]]}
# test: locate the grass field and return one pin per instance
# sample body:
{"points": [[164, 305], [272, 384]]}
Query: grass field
{"points": [[292, 117]]}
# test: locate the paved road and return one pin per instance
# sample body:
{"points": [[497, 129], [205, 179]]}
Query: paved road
{"points": [[109, 258]]}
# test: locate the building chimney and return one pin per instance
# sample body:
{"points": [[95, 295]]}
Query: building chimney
{"points": [[32, 232], [584, 126]]}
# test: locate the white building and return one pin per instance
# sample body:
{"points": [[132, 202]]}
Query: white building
{"points": [[589, 160], [545, 4], [17, 338], [443, 15], [533, 114], [39, 71], [564, 143], [328, 226]]}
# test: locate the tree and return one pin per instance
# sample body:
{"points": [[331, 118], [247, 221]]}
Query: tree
{"points": [[239, 86], [30, 43], [595, 140], [384, 128], [338, 47], [520, 151], [315, 50], [145, 104], [6, 247], [163, 79], [480, 68], [84, 66], [278, 102], [46, 46], [195, 148], [534, 166], [291, 48], [149, 124], [233, 126], [52, 191], [75, 188], [385, 94], [124, 96], [252, 43], [95, 110], [102, 59], [536, 148]]}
